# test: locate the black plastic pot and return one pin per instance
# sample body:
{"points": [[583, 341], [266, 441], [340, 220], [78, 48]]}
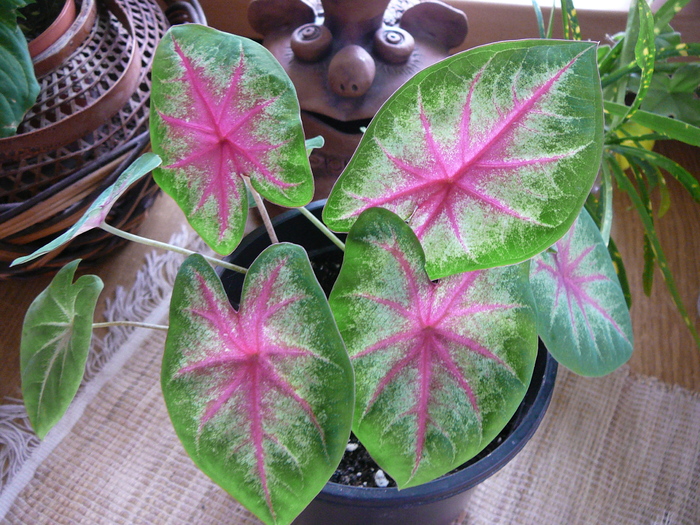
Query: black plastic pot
{"points": [[438, 502]]}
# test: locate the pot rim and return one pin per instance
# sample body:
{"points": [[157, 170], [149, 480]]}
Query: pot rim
{"points": [[537, 398], [56, 30]]}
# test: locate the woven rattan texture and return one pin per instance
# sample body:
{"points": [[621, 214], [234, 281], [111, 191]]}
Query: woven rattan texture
{"points": [[121, 42], [78, 83]]}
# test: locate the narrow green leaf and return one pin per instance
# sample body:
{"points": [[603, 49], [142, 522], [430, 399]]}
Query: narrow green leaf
{"points": [[673, 129], [572, 29], [581, 314], [608, 62], [644, 56], [626, 59], [99, 209], [687, 180], [648, 270], [668, 10], [540, 20], [621, 272], [665, 194], [262, 397], [55, 342], [627, 186]]}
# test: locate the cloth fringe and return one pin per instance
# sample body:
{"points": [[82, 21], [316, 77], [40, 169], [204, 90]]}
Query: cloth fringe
{"points": [[152, 286]]}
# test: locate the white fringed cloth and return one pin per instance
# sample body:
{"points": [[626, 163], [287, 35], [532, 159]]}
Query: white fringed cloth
{"points": [[617, 450]]}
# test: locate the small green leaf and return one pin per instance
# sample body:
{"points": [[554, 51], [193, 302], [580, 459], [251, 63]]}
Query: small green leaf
{"points": [[99, 209], [262, 397], [313, 143], [581, 312], [675, 95], [56, 338]]}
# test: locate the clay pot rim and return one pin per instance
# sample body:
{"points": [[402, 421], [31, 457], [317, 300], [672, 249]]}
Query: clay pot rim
{"points": [[56, 30]]}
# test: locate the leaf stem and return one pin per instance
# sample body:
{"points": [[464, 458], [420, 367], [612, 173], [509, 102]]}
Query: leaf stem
{"points": [[135, 324], [263, 211], [324, 229], [165, 246]]}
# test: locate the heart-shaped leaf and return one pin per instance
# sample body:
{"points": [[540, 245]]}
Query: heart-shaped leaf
{"points": [[583, 318], [223, 109], [440, 366], [99, 209], [261, 398], [55, 342], [488, 155]]}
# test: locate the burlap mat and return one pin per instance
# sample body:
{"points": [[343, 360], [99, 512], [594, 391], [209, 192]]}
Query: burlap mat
{"points": [[620, 449]]}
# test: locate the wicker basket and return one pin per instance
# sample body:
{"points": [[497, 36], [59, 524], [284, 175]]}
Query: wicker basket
{"points": [[89, 123]]}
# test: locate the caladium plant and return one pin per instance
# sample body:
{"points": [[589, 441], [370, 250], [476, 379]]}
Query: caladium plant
{"points": [[427, 346]]}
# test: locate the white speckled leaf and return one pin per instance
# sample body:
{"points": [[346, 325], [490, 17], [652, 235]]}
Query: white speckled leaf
{"points": [[223, 109], [488, 155], [583, 318], [441, 366], [260, 398]]}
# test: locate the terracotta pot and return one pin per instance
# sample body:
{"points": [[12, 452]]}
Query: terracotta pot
{"points": [[55, 31]]}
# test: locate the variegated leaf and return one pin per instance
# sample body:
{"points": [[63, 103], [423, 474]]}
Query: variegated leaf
{"points": [[583, 318], [261, 398], [440, 366], [224, 109], [488, 155]]}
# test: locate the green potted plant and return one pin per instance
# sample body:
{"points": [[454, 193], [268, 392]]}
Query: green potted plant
{"points": [[467, 238]]}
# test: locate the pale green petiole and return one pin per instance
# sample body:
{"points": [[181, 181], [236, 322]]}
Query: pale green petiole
{"points": [[324, 229], [263, 211], [165, 246], [134, 324]]}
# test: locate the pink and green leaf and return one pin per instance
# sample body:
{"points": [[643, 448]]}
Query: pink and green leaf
{"points": [[488, 155], [223, 109], [262, 397], [583, 318], [56, 337], [99, 209], [441, 366]]}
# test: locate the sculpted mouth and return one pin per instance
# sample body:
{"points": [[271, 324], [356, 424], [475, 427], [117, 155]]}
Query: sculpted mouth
{"points": [[349, 127]]}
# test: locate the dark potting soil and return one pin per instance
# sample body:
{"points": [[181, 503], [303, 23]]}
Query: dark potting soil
{"points": [[38, 16], [357, 468]]}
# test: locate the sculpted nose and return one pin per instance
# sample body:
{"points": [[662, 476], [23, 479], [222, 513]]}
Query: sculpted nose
{"points": [[351, 71]]}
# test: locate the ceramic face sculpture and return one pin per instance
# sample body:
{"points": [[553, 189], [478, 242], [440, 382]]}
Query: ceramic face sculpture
{"points": [[346, 57]]}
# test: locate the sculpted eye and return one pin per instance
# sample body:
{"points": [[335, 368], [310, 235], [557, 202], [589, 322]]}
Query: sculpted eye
{"points": [[394, 45], [311, 42]]}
